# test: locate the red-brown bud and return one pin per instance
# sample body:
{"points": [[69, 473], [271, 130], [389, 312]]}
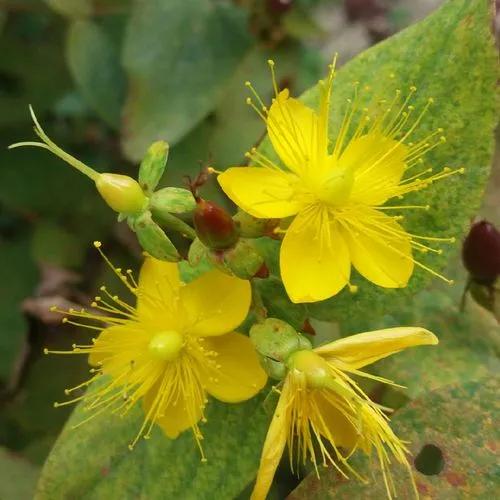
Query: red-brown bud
{"points": [[214, 226], [481, 252]]}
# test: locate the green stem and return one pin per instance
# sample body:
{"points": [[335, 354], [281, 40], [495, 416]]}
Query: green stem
{"points": [[54, 148], [172, 222], [257, 304]]}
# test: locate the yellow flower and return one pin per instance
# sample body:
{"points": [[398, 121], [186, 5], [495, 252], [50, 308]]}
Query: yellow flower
{"points": [[169, 351], [320, 404], [335, 193]]}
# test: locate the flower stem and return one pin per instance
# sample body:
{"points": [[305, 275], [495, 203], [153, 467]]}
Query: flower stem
{"points": [[51, 146]]}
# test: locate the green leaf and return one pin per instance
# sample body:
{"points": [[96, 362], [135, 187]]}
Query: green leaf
{"points": [[33, 416], [94, 461], [35, 181], [233, 128], [178, 55], [94, 63], [31, 43], [468, 345], [53, 244], [451, 57], [453, 450], [71, 8], [17, 477], [18, 277]]}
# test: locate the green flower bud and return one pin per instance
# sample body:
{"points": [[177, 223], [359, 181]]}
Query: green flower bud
{"points": [[171, 200], [153, 166], [152, 238], [122, 193], [252, 227], [243, 260], [275, 341], [214, 226]]}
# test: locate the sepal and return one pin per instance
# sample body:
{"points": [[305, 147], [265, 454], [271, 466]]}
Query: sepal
{"points": [[152, 166], [152, 238], [275, 341], [171, 200]]}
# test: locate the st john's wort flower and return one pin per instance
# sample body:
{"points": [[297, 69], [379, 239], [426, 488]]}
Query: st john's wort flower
{"points": [[170, 351], [336, 191], [324, 415]]}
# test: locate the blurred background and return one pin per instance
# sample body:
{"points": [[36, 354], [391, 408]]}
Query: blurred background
{"points": [[106, 78]]}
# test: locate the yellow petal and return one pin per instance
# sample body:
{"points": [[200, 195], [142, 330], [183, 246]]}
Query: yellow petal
{"points": [[292, 128], [330, 421], [177, 416], [240, 375], [274, 444], [314, 258], [380, 248], [159, 285], [363, 349], [262, 192], [379, 164], [106, 336], [215, 303], [119, 340]]}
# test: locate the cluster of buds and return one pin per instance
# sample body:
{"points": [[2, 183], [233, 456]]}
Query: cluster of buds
{"points": [[146, 210], [225, 241]]}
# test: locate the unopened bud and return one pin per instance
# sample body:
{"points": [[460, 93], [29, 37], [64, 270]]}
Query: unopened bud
{"points": [[122, 193], [481, 252], [153, 166], [214, 226], [275, 341], [243, 260]]}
